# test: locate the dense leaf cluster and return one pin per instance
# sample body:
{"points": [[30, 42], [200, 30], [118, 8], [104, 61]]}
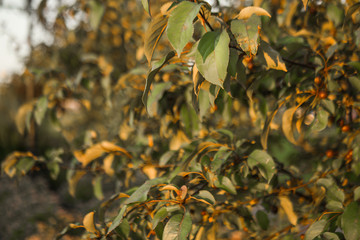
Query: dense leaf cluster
{"points": [[244, 126]]}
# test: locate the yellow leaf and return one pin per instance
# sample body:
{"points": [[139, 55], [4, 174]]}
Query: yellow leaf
{"points": [[74, 180], [178, 140], [150, 171], [246, 13], [287, 128], [20, 117], [165, 8], [89, 155], [287, 206], [8, 166], [75, 226], [88, 222], [170, 188], [183, 191], [278, 65], [111, 147], [305, 2], [107, 165]]}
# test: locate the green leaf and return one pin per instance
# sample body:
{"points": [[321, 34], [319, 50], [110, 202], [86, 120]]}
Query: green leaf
{"points": [[207, 196], [350, 221], [207, 43], [330, 236], [180, 26], [246, 33], [328, 105], [160, 215], [262, 219], [96, 12], [25, 164], [315, 229], [333, 205], [321, 121], [357, 194], [140, 194], [40, 109], [118, 219], [355, 82], [146, 6], [264, 162], [214, 69], [153, 71], [123, 229], [355, 65], [155, 95], [153, 34], [178, 227], [54, 169], [335, 13], [225, 184], [271, 57], [97, 185]]}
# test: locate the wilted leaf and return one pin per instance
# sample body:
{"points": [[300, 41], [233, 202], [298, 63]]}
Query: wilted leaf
{"points": [[315, 229], [178, 227], [180, 25], [350, 221], [247, 12], [246, 33], [287, 206], [153, 34], [153, 71], [88, 222], [271, 57], [264, 162], [214, 67]]}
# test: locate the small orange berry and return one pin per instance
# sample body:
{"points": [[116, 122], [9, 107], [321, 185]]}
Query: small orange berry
{"points": [[345, 128], [330, 153], [317, 80], [322, 94]]}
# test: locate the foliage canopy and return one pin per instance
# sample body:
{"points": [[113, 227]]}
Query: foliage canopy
{"points": [[244, 124]]}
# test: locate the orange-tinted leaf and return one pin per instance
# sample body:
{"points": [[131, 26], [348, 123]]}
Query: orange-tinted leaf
{"points": [[287, 206], [246, 13], [74, 180], [287, 126], [108, 160], [150, 171], [89, 155], [88, 222]]}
